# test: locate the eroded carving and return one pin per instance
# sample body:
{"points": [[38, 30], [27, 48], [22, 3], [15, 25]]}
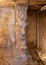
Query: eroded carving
{"points": [[21, 15]]}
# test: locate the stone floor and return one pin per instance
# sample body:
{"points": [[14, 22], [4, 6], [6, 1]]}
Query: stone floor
{"points": [[26, 59], [23, 59]]}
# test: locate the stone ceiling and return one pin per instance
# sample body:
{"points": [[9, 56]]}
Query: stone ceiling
{"points": [[33, 4], [36, 4]]}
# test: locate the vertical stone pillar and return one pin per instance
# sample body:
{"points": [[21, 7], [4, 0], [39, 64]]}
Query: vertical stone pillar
{"points": [[21, 15]]}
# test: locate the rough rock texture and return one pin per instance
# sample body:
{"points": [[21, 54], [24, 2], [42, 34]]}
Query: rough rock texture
{"points": [[8, 33], [21, 16], [7, 39], [8, 42], [31, 31], [31, 27], [42, 19]]}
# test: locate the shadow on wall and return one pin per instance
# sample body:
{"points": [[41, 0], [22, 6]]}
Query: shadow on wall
{"points": [[32, 49]]}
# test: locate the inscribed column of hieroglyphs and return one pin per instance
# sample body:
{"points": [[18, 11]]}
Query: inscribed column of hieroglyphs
{"points": [[21, 15]]}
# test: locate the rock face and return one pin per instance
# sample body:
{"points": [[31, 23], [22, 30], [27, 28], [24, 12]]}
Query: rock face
{"points": [[8, 32], [42, 19], [7, 39], [21, 15], [31, 30], [12, 30], [6, 25], [31, 27]]}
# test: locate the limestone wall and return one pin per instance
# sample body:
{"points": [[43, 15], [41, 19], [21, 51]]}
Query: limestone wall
{"points": [[31, 30], [42, 19], [7, 38], [31, 27]]}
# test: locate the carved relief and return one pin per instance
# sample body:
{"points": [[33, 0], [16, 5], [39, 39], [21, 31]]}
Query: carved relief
{"points": [[21, 15], [9, 29]]}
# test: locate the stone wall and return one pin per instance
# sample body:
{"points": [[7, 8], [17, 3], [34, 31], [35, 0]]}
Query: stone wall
{"points": [[7, 38], [31, 27], [42, 19]]}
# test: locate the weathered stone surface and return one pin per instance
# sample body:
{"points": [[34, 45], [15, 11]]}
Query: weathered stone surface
{"points": [[6, 4], [31, 2], [7, 39], [6, 25], [42, 33], [21, 15], [31, 27], [22, 1], [37, 2]]}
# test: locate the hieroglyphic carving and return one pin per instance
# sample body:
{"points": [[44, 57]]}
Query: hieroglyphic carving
{"points": [[7, 22], [21, 15]]}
